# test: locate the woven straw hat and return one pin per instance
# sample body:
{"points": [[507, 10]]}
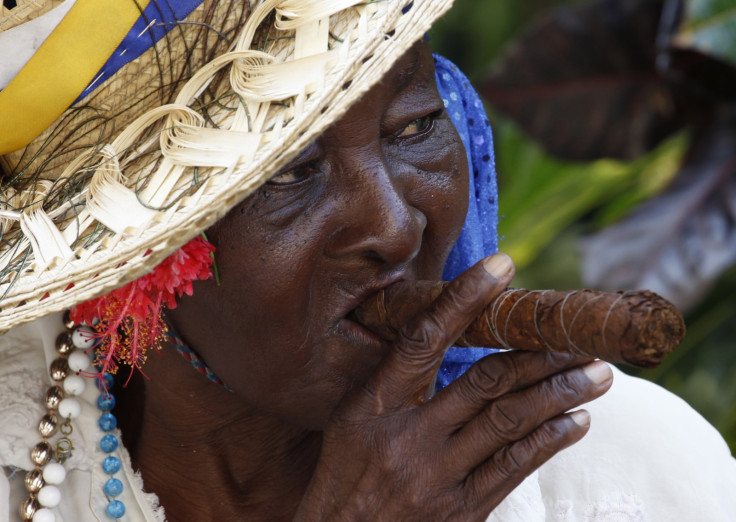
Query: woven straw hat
{"points": [[163, 148]]}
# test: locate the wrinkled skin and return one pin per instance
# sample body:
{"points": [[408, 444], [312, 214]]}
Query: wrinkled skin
{"points": [[325, 421]]}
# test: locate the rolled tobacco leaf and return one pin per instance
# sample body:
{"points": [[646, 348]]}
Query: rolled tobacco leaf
{"points": [[635, 327]]}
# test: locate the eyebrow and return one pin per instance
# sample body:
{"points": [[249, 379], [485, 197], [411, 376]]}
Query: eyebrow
{"points": [[407, 75], [303, 156]]}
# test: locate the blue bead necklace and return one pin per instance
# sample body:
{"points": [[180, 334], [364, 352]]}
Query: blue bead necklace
{"points": [[109, 443], [107, 423]]}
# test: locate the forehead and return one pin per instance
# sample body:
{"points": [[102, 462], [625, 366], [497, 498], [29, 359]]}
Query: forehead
{"points": [[407, 89], [415, 67], [408, 67]]}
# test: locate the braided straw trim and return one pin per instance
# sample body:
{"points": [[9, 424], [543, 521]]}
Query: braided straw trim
{"points": [[24, 11], [359, 45]]}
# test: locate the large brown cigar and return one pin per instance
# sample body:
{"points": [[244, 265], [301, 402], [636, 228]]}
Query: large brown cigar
{"points": [[637, 328]]}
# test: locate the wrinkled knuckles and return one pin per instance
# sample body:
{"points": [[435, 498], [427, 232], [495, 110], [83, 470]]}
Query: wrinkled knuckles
{"points": [[561, 359], [464, 295], [555, 435], [565, 388], [489, 381], [421, 340], [502, 423], [509, 467], [515, 461], [460, 302]]}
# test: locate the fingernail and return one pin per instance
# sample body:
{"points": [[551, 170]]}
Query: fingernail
{"points": [[498, 265], [581, 418], [598, 372]]}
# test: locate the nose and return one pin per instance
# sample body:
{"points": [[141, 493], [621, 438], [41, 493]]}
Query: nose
{"points": [[376, 217]]}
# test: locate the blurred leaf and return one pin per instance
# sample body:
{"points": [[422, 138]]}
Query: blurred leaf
{"points": [[655, 174], [698, 48], [556, 266], [710, 27], [472, 33], [705, 78], [541, 196], [583, 81], [679, 243]]}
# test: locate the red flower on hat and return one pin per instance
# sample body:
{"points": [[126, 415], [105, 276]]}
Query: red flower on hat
{"points": [[130, 317]]}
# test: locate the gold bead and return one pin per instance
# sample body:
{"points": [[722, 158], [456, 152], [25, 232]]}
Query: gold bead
{"points": [[47, 426], [41, 453], [53, 397], [34, 480], [64, 344], [59, 369], [28, 508], [67, 320]]}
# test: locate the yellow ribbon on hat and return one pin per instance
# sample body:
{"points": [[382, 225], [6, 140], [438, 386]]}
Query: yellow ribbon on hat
{"points": [[62, 67]]}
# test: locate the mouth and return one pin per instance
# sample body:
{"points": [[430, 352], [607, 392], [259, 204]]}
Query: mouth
{"points": [[348, 323], [359, 335]]}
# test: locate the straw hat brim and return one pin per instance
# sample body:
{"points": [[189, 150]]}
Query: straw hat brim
{"points": [[173, 173]]}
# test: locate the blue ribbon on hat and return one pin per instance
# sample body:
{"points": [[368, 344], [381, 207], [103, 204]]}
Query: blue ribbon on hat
{"points": [[155, 22]]}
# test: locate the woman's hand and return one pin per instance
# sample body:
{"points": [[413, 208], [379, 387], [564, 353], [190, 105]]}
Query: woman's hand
{"points": [[391, 453]]}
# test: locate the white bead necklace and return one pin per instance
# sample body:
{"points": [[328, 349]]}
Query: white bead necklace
{"points": [[49, 455]]}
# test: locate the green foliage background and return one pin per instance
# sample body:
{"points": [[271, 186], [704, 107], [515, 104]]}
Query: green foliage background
{"points": [[548, 204]]}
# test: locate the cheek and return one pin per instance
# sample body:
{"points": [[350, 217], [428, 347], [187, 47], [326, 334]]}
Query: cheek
{"points": [[439, 188], [268, 318], [253, 308], [259, 269]]}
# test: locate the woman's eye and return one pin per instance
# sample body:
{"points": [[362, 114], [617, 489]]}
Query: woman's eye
{"points": [[294, 175], [417, 126]]}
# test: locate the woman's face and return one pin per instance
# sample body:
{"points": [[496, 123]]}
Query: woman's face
{"points": [[381, 196]]}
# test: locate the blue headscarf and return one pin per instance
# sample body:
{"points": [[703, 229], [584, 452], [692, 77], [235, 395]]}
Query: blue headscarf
{"points": [[478, 237]]}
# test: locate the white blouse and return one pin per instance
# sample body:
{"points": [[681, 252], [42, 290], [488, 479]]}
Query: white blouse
{"points": [[648, 457]]}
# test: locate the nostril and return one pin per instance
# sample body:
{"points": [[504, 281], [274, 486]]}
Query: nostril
{"points": [[390, 235], [397, 237], [377, 218]]}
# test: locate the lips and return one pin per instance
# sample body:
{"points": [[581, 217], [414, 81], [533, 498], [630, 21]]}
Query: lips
{"points": [[360, 336], [360, 295], [347, 322]]}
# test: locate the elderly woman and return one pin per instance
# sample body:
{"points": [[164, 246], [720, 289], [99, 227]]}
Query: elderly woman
{"points": [[326, 167]]}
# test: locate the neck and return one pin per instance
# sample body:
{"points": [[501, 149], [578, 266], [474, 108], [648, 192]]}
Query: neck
{"points": [[207, 455]]}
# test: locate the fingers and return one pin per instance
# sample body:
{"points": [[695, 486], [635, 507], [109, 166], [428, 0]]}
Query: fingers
{"points": [[498, 476], [514, 416], [407, 371], [494, 376]]}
